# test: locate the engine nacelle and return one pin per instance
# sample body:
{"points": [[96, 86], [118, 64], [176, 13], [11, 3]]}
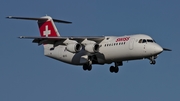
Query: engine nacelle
{"points": [[92, 48], [74, 47]]}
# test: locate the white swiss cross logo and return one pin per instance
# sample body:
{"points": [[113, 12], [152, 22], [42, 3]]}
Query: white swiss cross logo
{"points": [[46, 32]]}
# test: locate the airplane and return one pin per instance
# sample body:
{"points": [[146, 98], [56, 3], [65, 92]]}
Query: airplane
{"points": [[89, 50]]}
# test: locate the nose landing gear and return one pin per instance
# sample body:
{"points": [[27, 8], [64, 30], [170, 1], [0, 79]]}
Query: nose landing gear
{"points": [[152, 60]]}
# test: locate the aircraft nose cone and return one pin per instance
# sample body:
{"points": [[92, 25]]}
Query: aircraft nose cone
{"points": [[158, 49]]}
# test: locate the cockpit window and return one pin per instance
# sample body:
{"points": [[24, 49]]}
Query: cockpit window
{"points": [[140, 41], [149, 40], [144, 41]]}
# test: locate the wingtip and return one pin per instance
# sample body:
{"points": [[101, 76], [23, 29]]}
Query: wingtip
{"points": [[9, 17], [20, 37]]}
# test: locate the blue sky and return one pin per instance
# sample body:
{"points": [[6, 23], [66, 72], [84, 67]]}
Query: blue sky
{"points": [[27, 75]]}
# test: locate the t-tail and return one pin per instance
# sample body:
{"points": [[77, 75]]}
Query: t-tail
{"points": [[46, 25]]}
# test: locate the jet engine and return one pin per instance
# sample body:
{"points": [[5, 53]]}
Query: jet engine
{"points": [[74, 47], [92, 48]]}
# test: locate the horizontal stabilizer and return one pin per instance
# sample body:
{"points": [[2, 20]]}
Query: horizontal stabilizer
{"points": [[42, 18]]}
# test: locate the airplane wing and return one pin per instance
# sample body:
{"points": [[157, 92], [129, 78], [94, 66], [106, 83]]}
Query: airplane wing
{"points": [[60, 40]]}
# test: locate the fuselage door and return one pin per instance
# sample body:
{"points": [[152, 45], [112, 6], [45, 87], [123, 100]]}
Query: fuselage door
{"points": [[131, 44]]}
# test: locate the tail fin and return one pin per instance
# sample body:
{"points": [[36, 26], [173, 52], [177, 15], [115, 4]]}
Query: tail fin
{"points": [[47, 28], [46, 25]]}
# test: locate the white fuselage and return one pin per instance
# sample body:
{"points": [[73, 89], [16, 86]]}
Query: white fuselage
{"points": [[112, 49]]}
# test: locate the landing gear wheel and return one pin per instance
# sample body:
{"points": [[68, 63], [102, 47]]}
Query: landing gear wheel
{"points": [[84, 67], [153, 62], [116, 69], [111, 69], [87, 67]]}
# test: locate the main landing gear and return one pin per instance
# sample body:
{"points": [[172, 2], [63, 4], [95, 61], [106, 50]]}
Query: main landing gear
{"points": [[152, 60], [88, 66], [115, 68]]}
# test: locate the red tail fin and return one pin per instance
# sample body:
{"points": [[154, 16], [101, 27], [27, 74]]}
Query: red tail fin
{"points": [[47, 28]]}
